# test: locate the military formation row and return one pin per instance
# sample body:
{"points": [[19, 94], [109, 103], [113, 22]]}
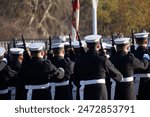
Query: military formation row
{"points": [[81, 70]]}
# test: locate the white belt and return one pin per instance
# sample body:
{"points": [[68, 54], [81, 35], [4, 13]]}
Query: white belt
{"points": [[137, 80], [4, 91], [13, 92], [127, 79], [32, 87], [74, 91], [88, 82], [146, 75], [54, 84], [113, 85]]}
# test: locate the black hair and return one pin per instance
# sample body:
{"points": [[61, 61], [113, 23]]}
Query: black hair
{"points": [[56, 51], [121, 46], [34, 53], [92, 46], [140, 40]]}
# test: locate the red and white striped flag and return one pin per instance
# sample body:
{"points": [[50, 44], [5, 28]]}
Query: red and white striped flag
{"points": [[75, 18]]}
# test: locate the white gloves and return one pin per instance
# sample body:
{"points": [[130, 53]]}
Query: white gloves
{"points": [[61, 73], [146, 56], [5, 60]]}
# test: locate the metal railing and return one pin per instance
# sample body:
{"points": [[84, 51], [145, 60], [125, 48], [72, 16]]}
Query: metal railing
{"points": [[5, 43]]}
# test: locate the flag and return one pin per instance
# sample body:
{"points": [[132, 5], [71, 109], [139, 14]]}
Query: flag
{"points": [[75, 18]]}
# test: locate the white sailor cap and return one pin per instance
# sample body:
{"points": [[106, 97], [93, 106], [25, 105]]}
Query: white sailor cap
{"points": [[92, 38], [76, 44], [36, 46], [57, 45], [141, 35], [20, 45], [17, 51], [106, 45], [120, 41], [66, 43], [2, 51]]}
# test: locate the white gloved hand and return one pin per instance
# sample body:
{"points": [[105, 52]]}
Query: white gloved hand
{"points": [[61, 73], [5, 60], [146, 56], [108, 56]]}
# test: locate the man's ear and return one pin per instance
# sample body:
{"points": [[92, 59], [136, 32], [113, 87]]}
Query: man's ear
{"points": [[42, 53], [98, 46], [63, 51], [20, 58], [145, 41], [128, 47]]}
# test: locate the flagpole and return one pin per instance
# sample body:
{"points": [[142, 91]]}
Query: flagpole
{"points": [[94, 13]]}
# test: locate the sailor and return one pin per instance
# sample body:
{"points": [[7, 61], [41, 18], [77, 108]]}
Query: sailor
{"points": [[142, 76], [26, 53], [107, 50], [5, 75], [126, 63], [90, 71], [61, 88], [15, 63], [34, 76], [16, 58], [77, 49], [69, 52]]}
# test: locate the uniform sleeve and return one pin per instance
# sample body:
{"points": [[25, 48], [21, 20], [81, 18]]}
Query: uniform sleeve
{"points": [[52, 70], [69, 68], [11, 73], [114, 73], [52, 67], [76, 79], [49, 67], [20, 85], [137, 64]]}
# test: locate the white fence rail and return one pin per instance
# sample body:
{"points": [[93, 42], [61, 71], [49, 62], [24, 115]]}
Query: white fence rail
{"points": [[5, 43]]}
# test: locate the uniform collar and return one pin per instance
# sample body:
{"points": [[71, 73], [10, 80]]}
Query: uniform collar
{"points": [[93, 51], [122, 52], [37, 58], [142, 47], [58, 57]]}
